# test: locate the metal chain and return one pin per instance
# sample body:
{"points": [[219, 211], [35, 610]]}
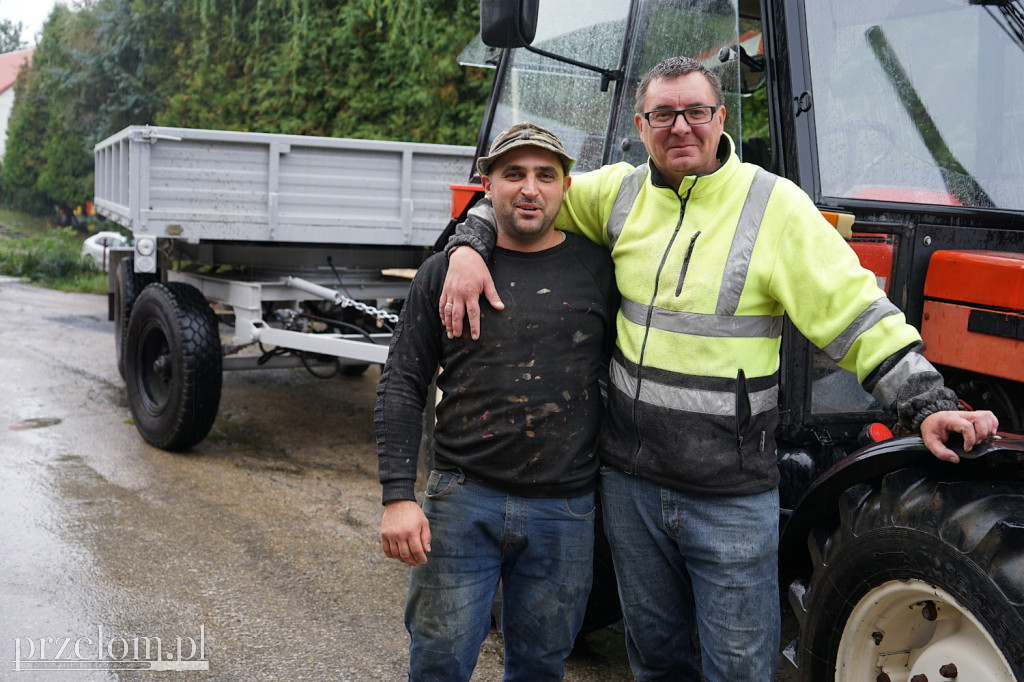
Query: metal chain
{"points": [[347, 302]]}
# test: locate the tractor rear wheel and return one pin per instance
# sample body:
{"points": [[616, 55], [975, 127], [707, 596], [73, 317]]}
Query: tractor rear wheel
{"points": [[920, 574]]}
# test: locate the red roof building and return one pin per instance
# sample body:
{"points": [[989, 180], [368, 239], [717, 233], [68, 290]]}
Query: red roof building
{"points": [[10, 64]]}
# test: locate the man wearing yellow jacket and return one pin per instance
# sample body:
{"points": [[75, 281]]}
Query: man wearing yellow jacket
{"points": [[709, 254]]}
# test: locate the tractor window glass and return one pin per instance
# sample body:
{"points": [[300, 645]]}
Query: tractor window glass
{"points": [[918, 101], [562, 97], [670, 28]]}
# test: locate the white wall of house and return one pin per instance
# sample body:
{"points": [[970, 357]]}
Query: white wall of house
{"points": [[6, 102]]}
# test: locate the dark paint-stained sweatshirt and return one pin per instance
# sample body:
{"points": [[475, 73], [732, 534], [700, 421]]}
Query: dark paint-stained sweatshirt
{"points": [[521, 407]]}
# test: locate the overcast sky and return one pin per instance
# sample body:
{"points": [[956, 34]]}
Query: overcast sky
{"points": [[31, 14]]}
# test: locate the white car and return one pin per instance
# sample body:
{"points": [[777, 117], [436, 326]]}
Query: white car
{"points": [[97, 245]]}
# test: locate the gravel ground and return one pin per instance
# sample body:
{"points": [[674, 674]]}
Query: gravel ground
{"points": [[265, 534]]}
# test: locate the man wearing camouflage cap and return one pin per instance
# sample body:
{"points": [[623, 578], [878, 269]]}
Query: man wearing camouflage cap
{"points": [[511, 494]]}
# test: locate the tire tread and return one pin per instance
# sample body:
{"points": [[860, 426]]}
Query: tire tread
{"points": [[193, 407], [979, 522]]}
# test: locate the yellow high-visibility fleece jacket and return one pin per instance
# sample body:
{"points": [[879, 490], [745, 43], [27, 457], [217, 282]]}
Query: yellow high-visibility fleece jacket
{"points": [[706, 274]]}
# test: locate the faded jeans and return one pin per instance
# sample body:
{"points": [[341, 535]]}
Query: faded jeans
{"points": [[695, 567], [542, 552]]}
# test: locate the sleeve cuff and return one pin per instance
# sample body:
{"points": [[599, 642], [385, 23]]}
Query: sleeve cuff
{"points": [[928, 404], [457, 240], [402, 489]]}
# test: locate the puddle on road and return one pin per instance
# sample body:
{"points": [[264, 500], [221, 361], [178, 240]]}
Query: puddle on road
{"points": [[36, 423], [89, 322]]}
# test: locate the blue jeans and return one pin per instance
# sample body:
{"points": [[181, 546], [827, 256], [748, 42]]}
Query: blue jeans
{"points": [[695, 568], [542, 552]]}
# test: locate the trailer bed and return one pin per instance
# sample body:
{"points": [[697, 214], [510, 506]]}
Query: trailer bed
{"points": [[198, 185]]}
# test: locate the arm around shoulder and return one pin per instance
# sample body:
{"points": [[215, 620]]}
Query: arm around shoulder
{"points": [[478, 231], [468, 276]]}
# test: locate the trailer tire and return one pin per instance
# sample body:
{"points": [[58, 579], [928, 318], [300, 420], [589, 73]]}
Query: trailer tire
{"points": [[354, 370], [919, 573], [173, 365], [129, 284]]}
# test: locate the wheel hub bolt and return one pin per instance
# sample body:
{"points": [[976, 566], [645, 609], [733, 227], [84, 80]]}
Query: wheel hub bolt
{"points": [[919, 678], [949, 670], [883, 677], [161, 367], [929, 612], [877, 636]]}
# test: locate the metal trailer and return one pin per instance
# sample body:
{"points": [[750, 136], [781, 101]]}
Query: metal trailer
{"points": [[303, 244]]}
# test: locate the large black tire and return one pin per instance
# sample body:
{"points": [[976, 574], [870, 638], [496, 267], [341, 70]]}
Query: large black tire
{"points": [[354, 370], [173, 366], [920, 573], [129, 284]]}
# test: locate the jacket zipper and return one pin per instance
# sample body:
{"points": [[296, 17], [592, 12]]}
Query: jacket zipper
{"points": [[647, 326]]}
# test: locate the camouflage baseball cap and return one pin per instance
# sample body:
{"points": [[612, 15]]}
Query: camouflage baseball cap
{"points": [[523, 135]]}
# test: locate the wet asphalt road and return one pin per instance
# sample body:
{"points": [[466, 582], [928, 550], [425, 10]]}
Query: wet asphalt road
{"points": [[258, 548]]}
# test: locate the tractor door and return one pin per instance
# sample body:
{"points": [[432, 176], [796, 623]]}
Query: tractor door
{"points": [[909, 116]]}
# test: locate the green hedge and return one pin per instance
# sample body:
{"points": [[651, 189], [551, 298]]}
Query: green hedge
{"points": [[373, 69]]}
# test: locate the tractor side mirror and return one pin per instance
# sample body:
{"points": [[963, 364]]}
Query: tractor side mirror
{"points": [[508, 23]]}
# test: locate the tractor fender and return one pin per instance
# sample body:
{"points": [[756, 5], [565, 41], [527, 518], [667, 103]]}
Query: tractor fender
{"points": [[870, 464]]}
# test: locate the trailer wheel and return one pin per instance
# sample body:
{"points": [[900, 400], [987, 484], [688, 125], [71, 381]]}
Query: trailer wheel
{"points": [[173, 365], [920, 574], [129, 284], [354, 370]]}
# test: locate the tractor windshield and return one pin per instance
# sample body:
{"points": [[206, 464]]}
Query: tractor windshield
{"points": [[569, 99], [919, 101]]}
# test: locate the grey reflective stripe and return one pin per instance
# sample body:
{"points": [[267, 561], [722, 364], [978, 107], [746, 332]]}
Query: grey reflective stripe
{"points": [[887, 389], [878, 310], [628, 191], [701, 324], [695, 400], [743, 242]]}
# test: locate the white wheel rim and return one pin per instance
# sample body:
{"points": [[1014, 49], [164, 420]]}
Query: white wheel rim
{"points": [[919, 628]]}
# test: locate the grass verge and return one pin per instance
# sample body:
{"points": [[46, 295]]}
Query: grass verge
{"points": [[34, 249]]}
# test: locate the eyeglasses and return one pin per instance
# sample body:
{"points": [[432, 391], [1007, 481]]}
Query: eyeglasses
{"points": [[666, 118]]}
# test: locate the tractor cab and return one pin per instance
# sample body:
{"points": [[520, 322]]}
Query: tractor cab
{"points": [[904, 121]]}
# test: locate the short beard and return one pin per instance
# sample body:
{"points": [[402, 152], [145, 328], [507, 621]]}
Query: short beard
{"points": [[507, 225]]}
